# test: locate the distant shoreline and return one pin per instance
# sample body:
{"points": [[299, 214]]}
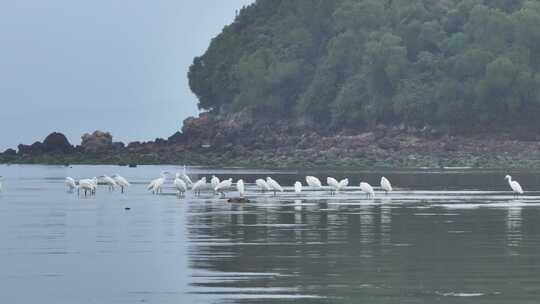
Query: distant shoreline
{"points": [[243, 141]]}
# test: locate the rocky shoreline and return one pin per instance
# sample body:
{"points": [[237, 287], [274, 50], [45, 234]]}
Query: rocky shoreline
{"points": [[241, 140]]}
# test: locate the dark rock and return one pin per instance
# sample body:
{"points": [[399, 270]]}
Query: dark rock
{"points": [[134, 145], [160, 141], [57, 142], [450, 146], [176, 138], [33, 149], [97, 141], [389, 144], [10, 152]]}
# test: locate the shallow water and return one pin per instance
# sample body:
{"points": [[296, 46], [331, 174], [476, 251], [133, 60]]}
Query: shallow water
{"points": [[451, 236]]}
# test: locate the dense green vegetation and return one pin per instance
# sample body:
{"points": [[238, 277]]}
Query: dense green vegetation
{"points": [[363, 62]]}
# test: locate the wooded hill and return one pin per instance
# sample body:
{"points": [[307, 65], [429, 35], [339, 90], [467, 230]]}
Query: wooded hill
{"points": [[357, 63]]}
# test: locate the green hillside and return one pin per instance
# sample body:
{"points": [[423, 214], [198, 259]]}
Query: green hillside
{"points": [[363, 62]]}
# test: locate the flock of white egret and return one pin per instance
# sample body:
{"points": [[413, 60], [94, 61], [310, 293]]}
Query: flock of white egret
{"points": [[89, 186], [182, 183]]}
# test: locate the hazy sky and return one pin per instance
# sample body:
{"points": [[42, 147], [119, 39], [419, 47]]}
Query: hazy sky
{"points": [[75, 66]]}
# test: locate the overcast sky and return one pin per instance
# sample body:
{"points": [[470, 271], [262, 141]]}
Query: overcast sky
{"points": [[75, 66]]}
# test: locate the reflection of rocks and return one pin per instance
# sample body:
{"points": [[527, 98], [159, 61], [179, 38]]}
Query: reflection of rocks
{"points": [[97, 141]]}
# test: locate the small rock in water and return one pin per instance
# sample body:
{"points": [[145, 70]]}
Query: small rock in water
{"points": [[238, 200], [127, 208]]}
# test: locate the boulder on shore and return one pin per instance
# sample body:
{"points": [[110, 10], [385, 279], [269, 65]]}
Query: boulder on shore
{"points": [[97, 141], [57, 142]]}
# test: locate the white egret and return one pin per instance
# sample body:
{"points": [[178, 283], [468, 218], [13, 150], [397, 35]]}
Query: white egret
{"points": [[109, 181], [70, 184], [386, 185], [222, 186], [516, 187], [365, 187], [120, 181], [274, 186], [297, 187], [156, 184], [87, 185], [198, 186], [186, 178], [262, 184], [333, 183], [313, 182], [343, 183], [214, 181], [180, 184], [240, 187]]}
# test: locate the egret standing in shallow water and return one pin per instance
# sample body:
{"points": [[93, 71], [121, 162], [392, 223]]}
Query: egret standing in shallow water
{"points": [[262, 184], [222, 186], [516, 187], [186, 178], [70, 184], [333, 184], [180, 184], [313, 182], [214, 181], [240, 187], [366, 188], [385, 185], [120, 181], [297, 187], [87, 185], [109, 181], [343, 183], [198, 186], [274, 186], [156, 184]]}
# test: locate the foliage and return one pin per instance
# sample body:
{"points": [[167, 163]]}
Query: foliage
{"points": [[363, 62]]}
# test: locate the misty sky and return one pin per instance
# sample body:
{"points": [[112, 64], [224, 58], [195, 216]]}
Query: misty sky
{"points": [[75, 66]]}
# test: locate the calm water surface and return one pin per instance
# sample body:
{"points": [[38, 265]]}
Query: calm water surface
{"points": [[451, 236]]}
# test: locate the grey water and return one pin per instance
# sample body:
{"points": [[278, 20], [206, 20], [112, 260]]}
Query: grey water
{"points": [[443, 236]]}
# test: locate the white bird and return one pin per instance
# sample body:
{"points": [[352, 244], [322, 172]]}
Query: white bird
{"points": [[87, 185], [198, 186], [70, 184], [223, 185], [385, 185], [120, 181], [186, 178], [240, 187], [214, 181], [180, 184], [313, 182], [343, 183], [156, 185], [365, 187], [333, 183], [516, 187], [297, 187], [262, 184], [274, 186], [109, 181]]}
